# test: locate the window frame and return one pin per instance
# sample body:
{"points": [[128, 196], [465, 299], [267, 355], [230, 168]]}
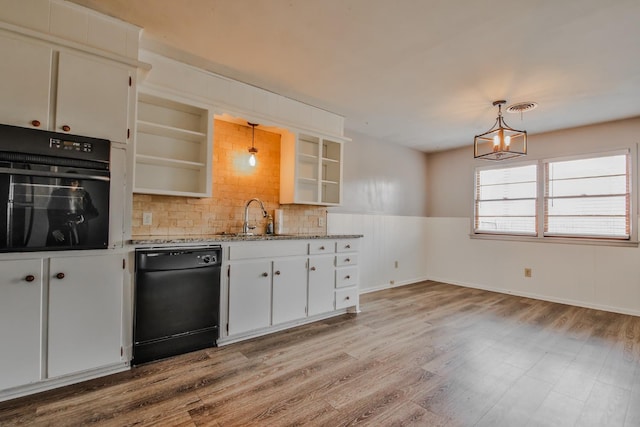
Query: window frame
{"points": [[539, 235]]}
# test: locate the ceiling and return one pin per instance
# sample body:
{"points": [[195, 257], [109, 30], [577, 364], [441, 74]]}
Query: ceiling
{"points": [[419, 73]]}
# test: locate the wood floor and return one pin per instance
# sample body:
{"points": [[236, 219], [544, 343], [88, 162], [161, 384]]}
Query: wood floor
{"points": [[428, 354]]}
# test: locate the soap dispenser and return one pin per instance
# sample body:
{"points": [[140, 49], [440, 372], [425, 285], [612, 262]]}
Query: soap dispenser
{"points": [[269, 229]]}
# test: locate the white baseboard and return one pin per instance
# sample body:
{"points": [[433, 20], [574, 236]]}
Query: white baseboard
{"points": [[13, 393], [395, 285]]}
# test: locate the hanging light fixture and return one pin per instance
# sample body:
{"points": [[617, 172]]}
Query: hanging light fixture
{"points": [[253, 150], [501, 141]]}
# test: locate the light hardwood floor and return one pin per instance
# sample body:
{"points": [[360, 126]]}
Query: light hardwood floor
{"points": [[428, 354]]}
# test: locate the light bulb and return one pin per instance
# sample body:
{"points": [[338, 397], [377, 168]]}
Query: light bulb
{"points": [[507, 142], [252, 160], [496, 142]]}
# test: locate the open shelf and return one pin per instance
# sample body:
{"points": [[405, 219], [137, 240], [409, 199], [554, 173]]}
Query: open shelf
{"points": [[173, 147], [315, 164]]}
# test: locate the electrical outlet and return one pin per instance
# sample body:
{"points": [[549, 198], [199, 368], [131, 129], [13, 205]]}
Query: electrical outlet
{"points": [[527, 272], [320, 221], [147, 218]]}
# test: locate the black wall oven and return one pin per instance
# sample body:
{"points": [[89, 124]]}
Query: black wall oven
{"points": [[54, 191]]}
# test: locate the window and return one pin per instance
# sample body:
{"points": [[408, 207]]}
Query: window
{"points": [[506, 200], [586, 197]]}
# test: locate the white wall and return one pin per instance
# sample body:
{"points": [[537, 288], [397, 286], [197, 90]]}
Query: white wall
{"points": [[383, 179], [384, 198], [603, 277]]}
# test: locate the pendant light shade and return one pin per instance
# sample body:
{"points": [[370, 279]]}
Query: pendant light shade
{"points": [[501, 142], [252, 150]]}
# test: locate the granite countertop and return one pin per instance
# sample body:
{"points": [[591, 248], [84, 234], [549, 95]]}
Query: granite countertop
{"points": [[215, 238]]}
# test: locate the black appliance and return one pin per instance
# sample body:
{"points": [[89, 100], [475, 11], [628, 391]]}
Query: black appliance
{"points": [[176, 300], [54, 190]]}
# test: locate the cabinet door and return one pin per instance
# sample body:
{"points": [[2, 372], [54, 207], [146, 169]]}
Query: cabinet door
{"points": [[85, 313], [289, 290], [25, 84], [20, 322], [321, 284], [93, 97], [249, 296]]}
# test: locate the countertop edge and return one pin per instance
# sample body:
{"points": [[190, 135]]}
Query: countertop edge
{"points": [[222, 238]]}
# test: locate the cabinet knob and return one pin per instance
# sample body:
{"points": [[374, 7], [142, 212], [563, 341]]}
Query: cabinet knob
{"points": [[322, 248], [347, 260], [277, 273], [35, 123], [265, 274], [60, 276], [30, 278], [347, 297], [312, 269], [66, 128], [347, 277], [348, 247]]}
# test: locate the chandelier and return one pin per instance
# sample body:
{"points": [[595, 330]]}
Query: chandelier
{"points": [[501, 142]]}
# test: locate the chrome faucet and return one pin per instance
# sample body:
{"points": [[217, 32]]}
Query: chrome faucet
{"points": [[245, 225]]}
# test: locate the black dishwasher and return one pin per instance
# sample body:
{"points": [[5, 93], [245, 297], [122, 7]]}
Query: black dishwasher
{"points": [[176, 301]]}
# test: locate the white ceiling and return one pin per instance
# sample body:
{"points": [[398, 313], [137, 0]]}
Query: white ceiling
{"points": [[420, 73]]}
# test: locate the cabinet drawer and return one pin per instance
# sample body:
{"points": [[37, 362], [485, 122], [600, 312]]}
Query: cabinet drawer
{"points": [[347, 245], [346, 259], [346, 277], [346, 297], [267, 249], [322, 247]]}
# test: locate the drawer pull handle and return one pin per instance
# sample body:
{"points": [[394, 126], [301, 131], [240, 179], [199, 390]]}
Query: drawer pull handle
{"points": [[265, 274], [277, 273], [66, 128], [30, 278], [60, 276], [312, 269], [35, 123], [347, 277]]}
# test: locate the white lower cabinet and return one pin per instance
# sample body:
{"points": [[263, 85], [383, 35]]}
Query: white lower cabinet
{"points": [[59, 316], [321, 284], [347, 274], [249, 296], [289, 290], [20, 322], [85, 313], [276, 284]]}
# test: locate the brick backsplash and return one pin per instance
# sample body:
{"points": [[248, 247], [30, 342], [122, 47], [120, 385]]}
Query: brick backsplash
{"points": [[234, 182]]}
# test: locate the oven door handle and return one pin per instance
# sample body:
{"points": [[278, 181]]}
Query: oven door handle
{"points": [[31, 172]]}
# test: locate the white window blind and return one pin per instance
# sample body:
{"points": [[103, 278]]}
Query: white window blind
{"points": [[505, 200], [588, 197]]}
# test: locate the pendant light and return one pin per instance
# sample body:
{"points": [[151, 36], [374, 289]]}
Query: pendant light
{"points": [[501, 141], [252, 150]]}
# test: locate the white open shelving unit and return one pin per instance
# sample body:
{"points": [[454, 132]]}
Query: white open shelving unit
{"points": [[174, 144], [312, 166]]}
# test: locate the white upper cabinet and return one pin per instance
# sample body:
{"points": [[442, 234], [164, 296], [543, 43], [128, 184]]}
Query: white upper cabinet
{"points": [[311, 170], [25, 86], [92, 95], [173, 147]]}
